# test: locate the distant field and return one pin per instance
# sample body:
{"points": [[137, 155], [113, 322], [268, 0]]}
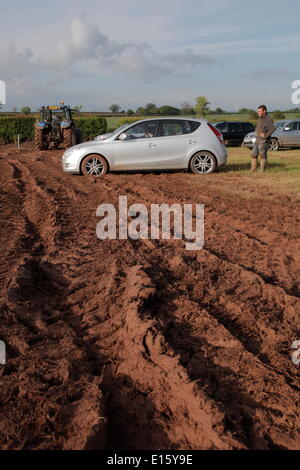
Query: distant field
{"points": [[113, 122]]}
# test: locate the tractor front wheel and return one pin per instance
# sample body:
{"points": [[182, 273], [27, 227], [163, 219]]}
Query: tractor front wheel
{"points": [[39, 140]]}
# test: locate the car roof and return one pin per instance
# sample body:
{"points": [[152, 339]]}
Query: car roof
{"points": [[170, 118], [239, 122]]}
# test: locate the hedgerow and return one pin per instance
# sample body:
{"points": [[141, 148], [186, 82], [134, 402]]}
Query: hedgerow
{"points": [[11, 127], [91, 127]]}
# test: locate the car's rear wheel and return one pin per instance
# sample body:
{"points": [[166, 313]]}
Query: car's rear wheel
{"points": [[94, 165], [203, 163], [274, 145]]}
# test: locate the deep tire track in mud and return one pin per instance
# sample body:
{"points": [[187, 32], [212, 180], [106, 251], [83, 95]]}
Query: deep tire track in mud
{"points": [[140, 344]]}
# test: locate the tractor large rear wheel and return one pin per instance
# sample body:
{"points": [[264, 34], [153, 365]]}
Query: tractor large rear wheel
{"points": [[39, 140], [70, 137]]}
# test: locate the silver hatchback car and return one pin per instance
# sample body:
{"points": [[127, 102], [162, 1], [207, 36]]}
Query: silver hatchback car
{"points": [[150, 144]]}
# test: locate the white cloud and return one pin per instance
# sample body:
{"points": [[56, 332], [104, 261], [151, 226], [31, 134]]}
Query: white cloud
{"points": [[287, 43], [82, 43], [15, 60], [16, 67], [86, 50], [87, 43]]}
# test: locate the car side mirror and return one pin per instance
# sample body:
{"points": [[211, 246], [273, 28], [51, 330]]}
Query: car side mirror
{"points": [[287, 128], [123, 136]]}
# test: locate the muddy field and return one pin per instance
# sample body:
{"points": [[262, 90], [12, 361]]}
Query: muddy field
{"points": [[141, 344]]}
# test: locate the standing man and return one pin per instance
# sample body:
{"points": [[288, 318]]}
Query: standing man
{"points": [[264, 129]]}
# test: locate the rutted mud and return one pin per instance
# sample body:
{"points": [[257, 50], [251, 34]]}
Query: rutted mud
{"points": [[140, 344]]}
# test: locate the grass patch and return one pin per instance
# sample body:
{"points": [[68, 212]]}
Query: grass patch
{"points": [[282, 174]]}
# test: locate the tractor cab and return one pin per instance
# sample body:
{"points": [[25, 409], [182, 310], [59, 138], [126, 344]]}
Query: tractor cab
{"points": [[62, 113]]}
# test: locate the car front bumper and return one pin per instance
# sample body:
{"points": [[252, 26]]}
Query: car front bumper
{"points": [[71, 162], [68, 168], [248, 145]]}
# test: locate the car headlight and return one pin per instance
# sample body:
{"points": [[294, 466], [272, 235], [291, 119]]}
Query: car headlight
{"points": [[68, 153]]}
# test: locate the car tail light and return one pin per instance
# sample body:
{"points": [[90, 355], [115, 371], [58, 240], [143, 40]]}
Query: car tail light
{"points": [[217, 133]]}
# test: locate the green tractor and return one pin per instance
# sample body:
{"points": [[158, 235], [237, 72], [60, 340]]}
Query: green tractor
{"points": [[54, 127]]}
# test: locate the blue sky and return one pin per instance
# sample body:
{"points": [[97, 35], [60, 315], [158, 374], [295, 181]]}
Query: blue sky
{"points": [[131, 52]]}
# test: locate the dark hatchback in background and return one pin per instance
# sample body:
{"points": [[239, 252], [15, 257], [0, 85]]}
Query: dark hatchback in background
{"points": [[234, 131]]}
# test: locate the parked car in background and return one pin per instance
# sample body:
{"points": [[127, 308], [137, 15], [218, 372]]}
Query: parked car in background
{"points": [[151, 144], [287, 134], [234, 131]]}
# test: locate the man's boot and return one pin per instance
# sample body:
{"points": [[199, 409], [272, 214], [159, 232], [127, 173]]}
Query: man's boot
{"points": [[263, 164], [253, 164]]}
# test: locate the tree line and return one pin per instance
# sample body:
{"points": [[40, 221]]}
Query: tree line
{"points": [[200, 109]]}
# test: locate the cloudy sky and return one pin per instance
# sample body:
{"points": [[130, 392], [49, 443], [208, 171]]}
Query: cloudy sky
{"points": [[132, 52]]}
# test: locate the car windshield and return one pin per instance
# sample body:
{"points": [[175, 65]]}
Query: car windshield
{"points": [[279, 125], [121, 128]]}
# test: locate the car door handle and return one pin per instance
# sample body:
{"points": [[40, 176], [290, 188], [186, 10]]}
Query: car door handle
{"points": [[192, 141], [152, 145]]}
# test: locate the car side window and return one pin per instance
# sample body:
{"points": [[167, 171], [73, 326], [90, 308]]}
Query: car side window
{"points": [[193, 125], [247, 127], [234, 127], [174, 127], [293, 126], [142, 130], [221, 127]]}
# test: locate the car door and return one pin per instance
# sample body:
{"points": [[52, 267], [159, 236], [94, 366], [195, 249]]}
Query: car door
{"points": [[174, 142], [291, 134], [235, 132], [247, 127], [139, 150], [297, 136]]}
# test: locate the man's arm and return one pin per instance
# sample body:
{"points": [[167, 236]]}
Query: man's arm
{"points": [[270, 129]]}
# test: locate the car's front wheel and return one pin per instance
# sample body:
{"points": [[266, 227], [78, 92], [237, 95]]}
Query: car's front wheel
{"points": [[274, 145], [94, 165], [203, 163]]}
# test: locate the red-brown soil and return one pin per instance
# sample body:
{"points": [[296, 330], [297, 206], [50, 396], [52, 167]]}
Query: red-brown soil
{"points": [[141, 344]]}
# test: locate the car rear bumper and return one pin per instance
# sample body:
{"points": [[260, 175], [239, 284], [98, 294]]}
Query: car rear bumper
{"points": [[232, 143], [222, 156]]}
